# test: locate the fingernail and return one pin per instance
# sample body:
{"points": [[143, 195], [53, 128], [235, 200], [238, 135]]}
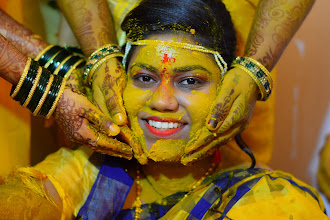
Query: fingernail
{"points": [[212, 124], [114, 130], [119, 118]]}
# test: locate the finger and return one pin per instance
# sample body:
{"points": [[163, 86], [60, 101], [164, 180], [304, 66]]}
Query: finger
{"points": [[101, 122], [208, 147], [127, 135], [112, 88], [99, 100], [200, 138], [221, 109], [115, 106], [235, 117], [107, 145]]}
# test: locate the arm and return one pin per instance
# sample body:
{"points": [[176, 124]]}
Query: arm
{"points": [[93, 27], [20, 36], [91, 23], [274, 25], [86, 124]]}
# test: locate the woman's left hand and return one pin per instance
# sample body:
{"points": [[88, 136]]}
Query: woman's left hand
{"points": [[230, 114]]}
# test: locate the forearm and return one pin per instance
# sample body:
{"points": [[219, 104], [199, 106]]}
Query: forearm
{"points": [[275, 23], [20, 36], [12, 61], [91, 23]]}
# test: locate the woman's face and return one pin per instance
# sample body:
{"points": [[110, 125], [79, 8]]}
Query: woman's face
{"points": [[168, 95]]}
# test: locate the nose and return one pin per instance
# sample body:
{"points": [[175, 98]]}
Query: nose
{"points": [[164, 99]]}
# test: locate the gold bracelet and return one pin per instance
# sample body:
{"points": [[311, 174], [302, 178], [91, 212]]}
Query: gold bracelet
{"points": [[264, 69], [59, 95], [98, 64], [21, 80], [73, 67], [33, 88], [43, 98], [98, 54], [44, 51], [260, 75], [255, 79]]}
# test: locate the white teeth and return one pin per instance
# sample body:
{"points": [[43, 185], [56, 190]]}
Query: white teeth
{"points": [[163, 125]]}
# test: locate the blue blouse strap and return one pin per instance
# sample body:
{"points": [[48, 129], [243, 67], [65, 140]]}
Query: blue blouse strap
{"points": [[109, 191]]}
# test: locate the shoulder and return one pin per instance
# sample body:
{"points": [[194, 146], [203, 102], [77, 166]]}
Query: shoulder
{"points": [[257, 194]]}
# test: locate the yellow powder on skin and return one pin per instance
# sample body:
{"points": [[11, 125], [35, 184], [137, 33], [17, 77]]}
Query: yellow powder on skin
{"points": [[172, 152]]}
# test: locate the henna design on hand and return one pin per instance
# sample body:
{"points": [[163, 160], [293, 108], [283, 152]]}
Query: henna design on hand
{"points": [[20, 36], [12, 62], [70, 118], [220, 111]]}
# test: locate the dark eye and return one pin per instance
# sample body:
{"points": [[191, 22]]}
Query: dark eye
{"points": [[144, 81], [189, 81], [145, 78]]}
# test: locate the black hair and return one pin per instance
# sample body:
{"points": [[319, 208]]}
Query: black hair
{"points": [[207, 21]]}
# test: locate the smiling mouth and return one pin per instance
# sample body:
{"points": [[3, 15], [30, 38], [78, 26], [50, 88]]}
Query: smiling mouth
{"points": [[163, 128]]}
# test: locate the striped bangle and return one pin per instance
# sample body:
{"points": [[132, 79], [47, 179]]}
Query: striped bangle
{"points": [[27, 83], [258, 73], [42, 84], [33, 88], [14, 92]]}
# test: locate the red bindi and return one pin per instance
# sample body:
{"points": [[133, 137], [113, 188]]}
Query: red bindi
{"points": [[167, 59]]}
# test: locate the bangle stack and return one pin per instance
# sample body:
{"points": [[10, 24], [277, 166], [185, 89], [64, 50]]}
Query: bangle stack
{"points": [[258, 73], [38, 89], [97, 58], [59, 61]]}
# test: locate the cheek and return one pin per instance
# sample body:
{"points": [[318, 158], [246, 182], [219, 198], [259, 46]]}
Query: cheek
{"points": [[135, 99]]}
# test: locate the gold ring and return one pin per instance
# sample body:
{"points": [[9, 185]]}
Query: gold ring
{"points": [[94, 143]]}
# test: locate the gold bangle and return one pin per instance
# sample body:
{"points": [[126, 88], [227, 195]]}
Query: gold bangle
{"points": [[98, 64], [59, 95], [74, 66], [43, 98], [33, 88], [61, 64], [255, 79], [21, 80], [264, 69], [43, 52]]}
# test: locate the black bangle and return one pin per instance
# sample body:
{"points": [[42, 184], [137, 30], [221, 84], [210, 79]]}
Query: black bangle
{"points": [[43, 81], [54, 63], [67, 65], [27, 83], [55, 87], [49, 54]]}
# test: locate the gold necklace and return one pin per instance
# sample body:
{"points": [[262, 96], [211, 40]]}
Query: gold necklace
{"points": [[138, 203]]}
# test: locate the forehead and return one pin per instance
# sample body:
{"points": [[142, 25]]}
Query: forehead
{"points": [[162, 55]]}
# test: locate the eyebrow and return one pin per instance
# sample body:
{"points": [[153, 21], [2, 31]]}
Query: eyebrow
{"points": [[145, 66], [175, 70], [190, 68]]}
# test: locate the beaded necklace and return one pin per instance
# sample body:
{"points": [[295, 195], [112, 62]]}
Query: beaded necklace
{"points": [[138, 203]]}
